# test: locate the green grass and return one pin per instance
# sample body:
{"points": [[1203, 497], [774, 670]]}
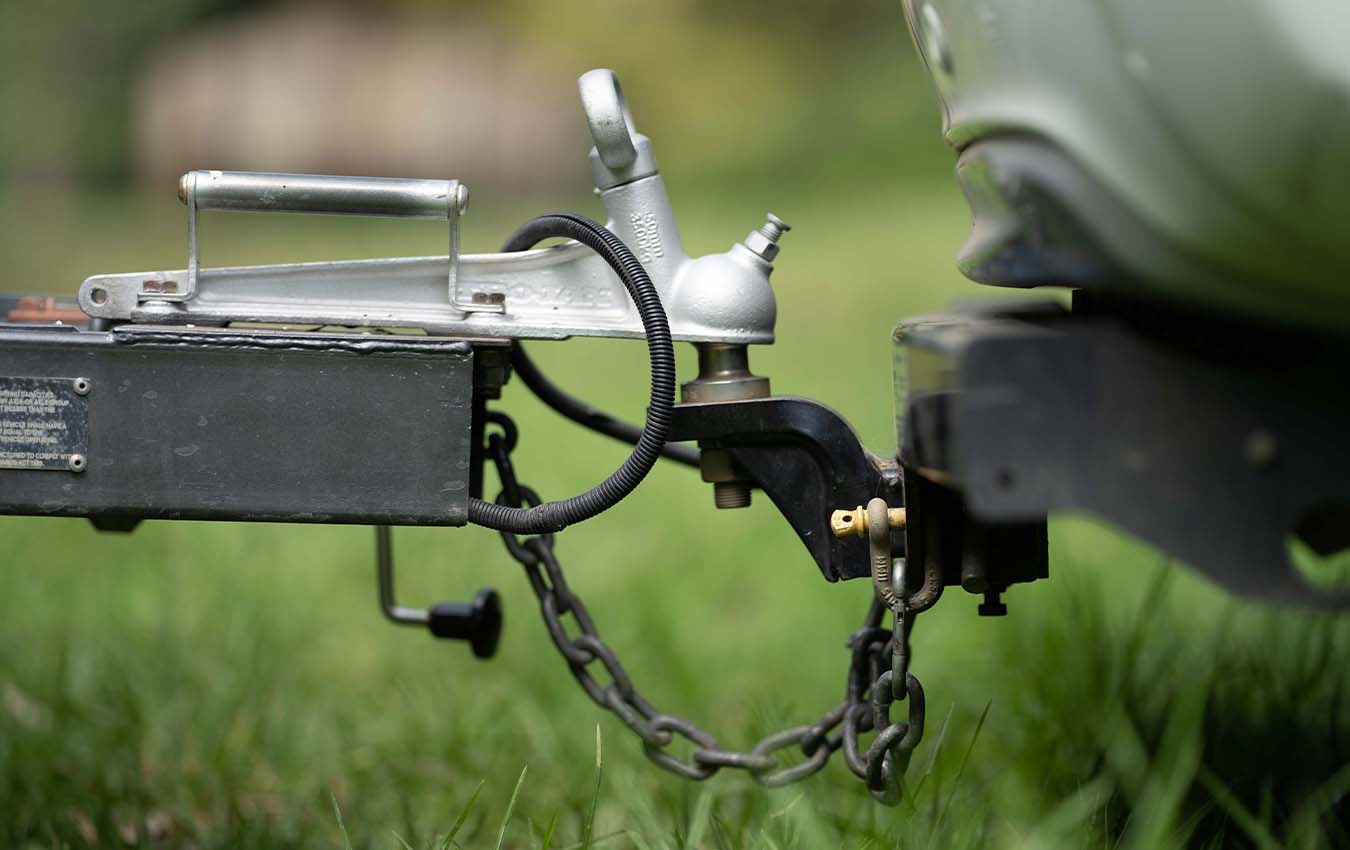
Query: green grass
{"points": [[215, 685]]}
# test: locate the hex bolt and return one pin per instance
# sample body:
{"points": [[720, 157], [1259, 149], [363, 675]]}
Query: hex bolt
{"points": [[763, 240], [478, 622], [774, 228], [731, 494]]}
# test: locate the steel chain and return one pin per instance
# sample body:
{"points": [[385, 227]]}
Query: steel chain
{"points": [[878, 657]]}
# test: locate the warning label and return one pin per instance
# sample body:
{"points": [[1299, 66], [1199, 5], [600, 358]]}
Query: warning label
{"points": [[44, 423]]}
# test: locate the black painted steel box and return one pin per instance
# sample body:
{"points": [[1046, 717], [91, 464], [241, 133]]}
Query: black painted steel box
{"points": [[260, 425]]}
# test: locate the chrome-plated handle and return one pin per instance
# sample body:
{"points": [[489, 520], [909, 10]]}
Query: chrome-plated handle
{"points": [[252, 191], [318, 194]]}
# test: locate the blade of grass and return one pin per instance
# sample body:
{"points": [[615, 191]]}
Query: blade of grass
{"points": [[698, 820], [1157, 815], [1255, 830], [342, 827], [639, 842], [601, 839], [1321, 800], [933, 752], [1069, 818], [548, 833], [589, 824], [783, 811], [399, 839], [961, 769], [510, 808], [463, 816]]}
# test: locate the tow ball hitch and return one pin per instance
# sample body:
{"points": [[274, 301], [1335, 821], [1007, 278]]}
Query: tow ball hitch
{"points": [[360, 392]]}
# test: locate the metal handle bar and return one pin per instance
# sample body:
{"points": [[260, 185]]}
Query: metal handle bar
{"points": [[256, 191], [252, 191]]}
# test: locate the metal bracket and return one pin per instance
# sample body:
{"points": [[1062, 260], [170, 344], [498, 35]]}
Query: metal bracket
{"points": [[807, 460]]}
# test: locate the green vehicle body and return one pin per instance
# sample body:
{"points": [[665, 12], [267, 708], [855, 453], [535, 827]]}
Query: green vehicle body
{"points": [[1202, 148]]}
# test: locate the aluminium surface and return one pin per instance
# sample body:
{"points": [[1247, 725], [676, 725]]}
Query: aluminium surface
{"points": [[552, 293], [547, 293], [252, 425]]}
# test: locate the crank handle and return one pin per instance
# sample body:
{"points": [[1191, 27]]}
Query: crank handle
{"points": [[478, 623]]}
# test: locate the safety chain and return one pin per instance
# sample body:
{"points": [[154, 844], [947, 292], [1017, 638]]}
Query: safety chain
{"points": [[878, 658]]}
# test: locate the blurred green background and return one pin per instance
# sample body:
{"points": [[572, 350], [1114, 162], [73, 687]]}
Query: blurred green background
{"points": [[215, 685]]}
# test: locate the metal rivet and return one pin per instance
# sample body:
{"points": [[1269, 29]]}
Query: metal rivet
{"points": [[82, 386], [76, 463]]}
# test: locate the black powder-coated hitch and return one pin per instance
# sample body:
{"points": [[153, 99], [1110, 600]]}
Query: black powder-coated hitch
{"points": [[809, 462]]}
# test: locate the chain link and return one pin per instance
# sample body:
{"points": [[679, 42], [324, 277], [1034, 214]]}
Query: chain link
{"points": [[878, 658]]}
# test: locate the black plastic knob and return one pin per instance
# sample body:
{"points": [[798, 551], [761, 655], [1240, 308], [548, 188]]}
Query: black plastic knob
{"points": [[478, 622]]}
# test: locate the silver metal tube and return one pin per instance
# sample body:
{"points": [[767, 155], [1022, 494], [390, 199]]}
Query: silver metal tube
{"points": [[384, 577], [320, 193]]}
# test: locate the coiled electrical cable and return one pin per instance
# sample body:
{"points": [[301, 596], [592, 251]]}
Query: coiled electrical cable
{"points": [[554, 516]]}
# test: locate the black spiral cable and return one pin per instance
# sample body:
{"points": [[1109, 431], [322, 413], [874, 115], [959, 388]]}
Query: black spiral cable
{"points": [[554, 516]]}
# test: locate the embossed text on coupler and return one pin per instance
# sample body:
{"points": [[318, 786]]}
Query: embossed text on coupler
{"points": [[647, 229]]}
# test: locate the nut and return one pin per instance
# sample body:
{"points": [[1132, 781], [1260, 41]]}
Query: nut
{"points": [[762, 246]]}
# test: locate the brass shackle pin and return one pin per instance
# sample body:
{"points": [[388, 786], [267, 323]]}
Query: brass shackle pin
{"points": [[854, 521]]}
